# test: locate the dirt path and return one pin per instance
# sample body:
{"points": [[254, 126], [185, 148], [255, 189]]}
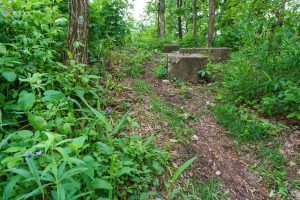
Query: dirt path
{"points": [[217, 155]]}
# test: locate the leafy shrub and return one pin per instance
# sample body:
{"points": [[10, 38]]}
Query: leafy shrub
{"points": [[286, 99], [57, 142], [161, 71], [106, 33]]}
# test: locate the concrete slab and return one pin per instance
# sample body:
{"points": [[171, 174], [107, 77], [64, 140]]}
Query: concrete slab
{"points": [[186, 66], [216, 54]]}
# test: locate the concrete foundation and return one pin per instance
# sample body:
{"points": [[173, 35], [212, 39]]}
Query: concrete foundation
{"points": [[186, 67], [169, 48], [215, 54]]}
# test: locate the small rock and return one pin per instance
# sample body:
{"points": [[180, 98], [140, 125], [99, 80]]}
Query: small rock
{"points": [[288, 144], [210, 84], [207, 103], [281, 151], [292, 164], [195, 138], [165, 81], [173, 141], [218, 173]]}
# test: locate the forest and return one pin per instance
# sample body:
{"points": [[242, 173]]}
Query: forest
{"points": [[193, 100]]}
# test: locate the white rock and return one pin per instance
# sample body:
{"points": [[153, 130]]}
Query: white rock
{"points": [[292, 164], [218, 173], [173, 141], [195, 138], [165, 81]]}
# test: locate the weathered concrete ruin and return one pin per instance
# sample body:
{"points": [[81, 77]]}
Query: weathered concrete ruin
{"points": [[169, 48], [215, 54], [186, 67], [185, 63]]}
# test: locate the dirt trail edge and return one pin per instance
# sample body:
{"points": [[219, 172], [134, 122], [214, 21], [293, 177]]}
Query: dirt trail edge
{"points": [[217, 155]]}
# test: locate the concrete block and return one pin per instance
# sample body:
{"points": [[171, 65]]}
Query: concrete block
{"points": [[216, 54], [186, 67]]}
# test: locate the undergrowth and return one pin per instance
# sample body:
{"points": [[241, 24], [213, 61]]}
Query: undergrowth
{"points": [[176, 118], [199, 189], [261, 135]]}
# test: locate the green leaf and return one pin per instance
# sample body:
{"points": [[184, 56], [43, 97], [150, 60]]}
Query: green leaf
{"points": [[181, 169], [61, 21], [102, 184], [67, 128], [122, 121], [2, 99], [61, 192], [105, 148], [124, 170], [35, 172], [9, 188], [31, 194], [79, 142], [53, 96], [9, 75], [294, 114], [14, 149], [72, 172], [37, 122], [2, 48], [26, 100], [64, 154], [99, 115], [21, 172], [25, 134]]}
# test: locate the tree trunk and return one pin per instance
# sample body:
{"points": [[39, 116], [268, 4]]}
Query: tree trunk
{"points": [[162, 10], [195, 21], [78, 30], [211, 25], [179, 6]]}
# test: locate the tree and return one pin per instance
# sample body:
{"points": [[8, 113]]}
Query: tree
{"points": [[161, 13], [179, 18], [78, 30], [195, 21], [211, 25]]}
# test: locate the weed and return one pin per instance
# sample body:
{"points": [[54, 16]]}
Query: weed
{"points": [[242, 125], [199, 189], [272, 169], [161, 72], [170, 184], [141, 87], [177, 120], [178, 81], [133, 70]]}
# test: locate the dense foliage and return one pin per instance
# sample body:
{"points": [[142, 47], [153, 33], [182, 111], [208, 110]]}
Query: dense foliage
{"points": [[59, 137]]}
